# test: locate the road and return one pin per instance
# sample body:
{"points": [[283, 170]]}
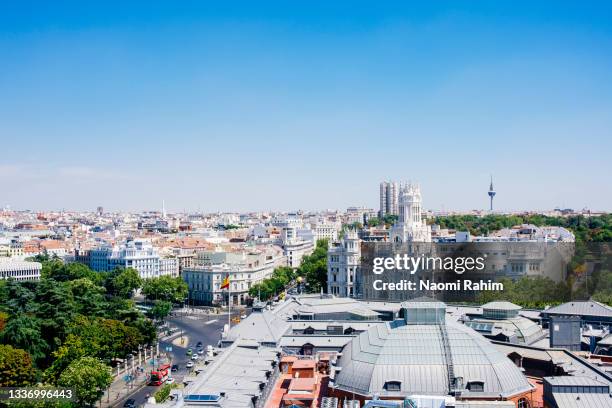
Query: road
{"points": [[204, 328]]}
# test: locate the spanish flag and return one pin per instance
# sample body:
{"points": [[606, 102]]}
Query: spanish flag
{"points": [[225, 283]]}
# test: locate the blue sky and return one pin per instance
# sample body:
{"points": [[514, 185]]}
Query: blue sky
{"points": [[223, 106]]}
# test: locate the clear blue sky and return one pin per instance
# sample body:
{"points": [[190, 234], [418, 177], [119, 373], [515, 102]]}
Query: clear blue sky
{"points": [[304, 105]]}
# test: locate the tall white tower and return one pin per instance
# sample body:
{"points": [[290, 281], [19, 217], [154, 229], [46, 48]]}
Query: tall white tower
{"points": [[410, 226]]}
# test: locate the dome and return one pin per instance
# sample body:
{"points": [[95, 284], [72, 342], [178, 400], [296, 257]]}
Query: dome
{"points": [[397, 359]]}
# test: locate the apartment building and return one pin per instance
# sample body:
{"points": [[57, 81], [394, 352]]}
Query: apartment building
{"points": [[342, 264], [245, 268], [138, 254], [296, 245]]}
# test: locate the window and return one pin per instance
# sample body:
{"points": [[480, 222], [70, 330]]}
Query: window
{"points": [[393, 386], [523, 403], [475, 386]]}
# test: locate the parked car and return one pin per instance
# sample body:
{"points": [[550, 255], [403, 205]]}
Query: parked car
{"points": [[174, 368], [199, 344], [170, 380], [189, 351], [195, 357], [130, 403], [189, 364]]}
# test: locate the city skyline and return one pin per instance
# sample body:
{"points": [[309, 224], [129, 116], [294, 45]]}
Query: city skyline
{"points": [[248, 107]]}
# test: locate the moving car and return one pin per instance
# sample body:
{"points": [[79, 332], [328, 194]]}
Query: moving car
{"points": [[174, 368], [199, 344]]}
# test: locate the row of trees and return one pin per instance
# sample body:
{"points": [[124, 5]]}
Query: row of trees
{"points": [[313, 268], [537, 292], [69, 327], [274, 285], [586, 229]]}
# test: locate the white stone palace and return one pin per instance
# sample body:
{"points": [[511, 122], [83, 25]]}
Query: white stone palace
{"points": [[410, 226]]}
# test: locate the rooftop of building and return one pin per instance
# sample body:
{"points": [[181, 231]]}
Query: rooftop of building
{"points": [[237, 374], [520, 328], [500, 305], [262, 325], [581, 308], [415, 356]]}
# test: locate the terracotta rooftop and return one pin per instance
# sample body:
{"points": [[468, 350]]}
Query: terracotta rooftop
{"points": [[303, 384], [304, 364]]}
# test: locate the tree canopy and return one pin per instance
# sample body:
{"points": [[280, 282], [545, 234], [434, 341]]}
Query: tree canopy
{"points": [[274, 285], [314, 267], [15, 367], [89, 377], [71, 314], [165, 288]]}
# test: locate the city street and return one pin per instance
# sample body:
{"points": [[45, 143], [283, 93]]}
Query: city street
{"points": [[195, 328]]}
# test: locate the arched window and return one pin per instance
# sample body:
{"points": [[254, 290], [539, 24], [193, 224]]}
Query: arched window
{"points": [[523, 403], [307, 349], [309, 330]]}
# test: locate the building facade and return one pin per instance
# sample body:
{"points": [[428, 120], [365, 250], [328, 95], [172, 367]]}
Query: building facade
{"points": [[343, 264], [138, 254], [295, 247], [410, 226], [389, 198], [20, 270], [244, 269], [325, 230]]}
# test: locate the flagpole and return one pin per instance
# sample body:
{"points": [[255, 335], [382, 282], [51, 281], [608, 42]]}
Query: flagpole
{"points": [[229, 305]]}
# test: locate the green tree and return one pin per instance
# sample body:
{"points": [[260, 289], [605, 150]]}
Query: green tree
{"points": [[55, 309], [3, 319], [71, 350], [106, 338], [374, 221], [89, 377], [390, 219], [15, 367], [314, 268], [165, 288], [57, 270], [89, 298], [23, 332], [161, 309], [16, 297], [125, 282]]}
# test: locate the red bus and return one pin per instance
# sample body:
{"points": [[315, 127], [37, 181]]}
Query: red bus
{"points": [[158, 376]]}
